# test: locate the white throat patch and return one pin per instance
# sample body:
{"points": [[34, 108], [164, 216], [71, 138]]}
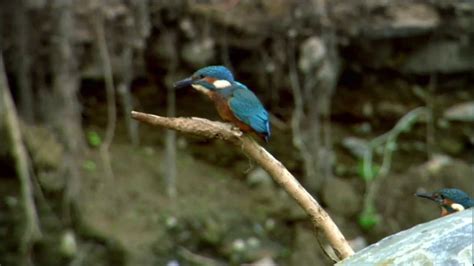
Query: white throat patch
{"points": [[221, 83], [457, 207], [200, 88]]}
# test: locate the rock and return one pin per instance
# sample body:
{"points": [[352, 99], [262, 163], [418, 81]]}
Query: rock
{"points": [[51, 180], [313, 52], [441, 56], [403, 20], [358, 243], [259, 177], [391, 109], [266, 261], [188, 28], [347, 201], [463, 112], [451, 145], [173, 263], [213, 231], [68, 244], [357, 146], [46, 151], [198, 53], [434, 165], [444, 241], [250, 249], [306, 249]]}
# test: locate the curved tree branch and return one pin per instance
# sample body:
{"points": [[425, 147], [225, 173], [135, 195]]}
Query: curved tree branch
{"points": [[218, 130]]}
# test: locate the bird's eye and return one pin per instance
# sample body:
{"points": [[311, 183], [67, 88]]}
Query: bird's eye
{"points": [[201, 76]]}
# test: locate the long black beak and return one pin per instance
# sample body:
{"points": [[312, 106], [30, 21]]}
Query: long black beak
{"points": [[425, 195], [183, 83]]}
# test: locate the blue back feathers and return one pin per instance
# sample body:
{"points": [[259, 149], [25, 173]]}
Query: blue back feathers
{"points": [[248, 109], [457, 196]]}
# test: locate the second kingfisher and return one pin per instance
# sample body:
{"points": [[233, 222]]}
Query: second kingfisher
{"points": [[449, 199], [234, 102]]}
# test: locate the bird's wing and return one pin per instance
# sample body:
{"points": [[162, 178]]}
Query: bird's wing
{"points": [[248, 109]]}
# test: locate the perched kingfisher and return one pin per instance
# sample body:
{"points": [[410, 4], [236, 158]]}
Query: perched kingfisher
{"points": [[449, 199], [234, 102]]}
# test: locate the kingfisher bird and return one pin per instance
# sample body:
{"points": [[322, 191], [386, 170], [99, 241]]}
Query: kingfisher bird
{"points": [[234, 101], [449, 199]]}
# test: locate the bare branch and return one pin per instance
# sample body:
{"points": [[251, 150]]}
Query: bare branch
{"points": [[217, 130], [32, 231], [110, 91]]}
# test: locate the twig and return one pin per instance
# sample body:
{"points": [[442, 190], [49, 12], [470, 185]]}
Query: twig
{"points": [[171, 148], [110, 91], [430, 128], [388, 141], [123, 89], [32, 229], [217, 130], [171, 171], [23, 74], [299, 140]]}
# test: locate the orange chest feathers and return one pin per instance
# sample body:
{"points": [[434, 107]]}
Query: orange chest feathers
{"points": [[222, 106]]}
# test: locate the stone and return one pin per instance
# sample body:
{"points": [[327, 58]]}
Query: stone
{"points": [[307, 250], [341, 197], [265, 261], [403, 20], [441, 56], [443, 241], [357, 243], [451, 145], [435, 164], [199, 53], [45, 150], [68, 244], [312, 54], [356, 146], [463, 112], [259, 177]]}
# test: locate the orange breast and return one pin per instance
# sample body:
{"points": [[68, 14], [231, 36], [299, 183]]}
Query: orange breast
{"points": [[226, 113]]}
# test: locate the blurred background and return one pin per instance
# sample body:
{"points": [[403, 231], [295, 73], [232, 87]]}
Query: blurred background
{"points": [[370, 102]]}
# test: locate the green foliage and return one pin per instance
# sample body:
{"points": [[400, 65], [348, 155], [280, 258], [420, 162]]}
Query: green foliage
{"points": [[94, 139], [89, 165], [368, 219], [367, 171], [382, 147]]}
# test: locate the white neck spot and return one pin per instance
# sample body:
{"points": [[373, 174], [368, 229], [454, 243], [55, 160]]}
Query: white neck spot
{"points": [[457, 207], [221, 83]]}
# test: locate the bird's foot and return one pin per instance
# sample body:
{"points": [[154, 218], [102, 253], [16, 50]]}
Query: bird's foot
{"points": [[236, 129]]}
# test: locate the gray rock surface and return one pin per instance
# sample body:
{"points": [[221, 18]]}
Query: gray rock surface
{"points": [[444, 241], [441, 56], [348, 200], [402, 20], [463, 112]]}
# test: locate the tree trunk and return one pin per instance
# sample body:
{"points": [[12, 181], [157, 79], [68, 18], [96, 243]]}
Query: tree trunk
{"points": [[23, 60], [66, 117]]}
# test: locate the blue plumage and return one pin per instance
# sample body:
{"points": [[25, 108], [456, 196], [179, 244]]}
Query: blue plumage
{"points": [[217, 72], [248, 109], [457, 196]]}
